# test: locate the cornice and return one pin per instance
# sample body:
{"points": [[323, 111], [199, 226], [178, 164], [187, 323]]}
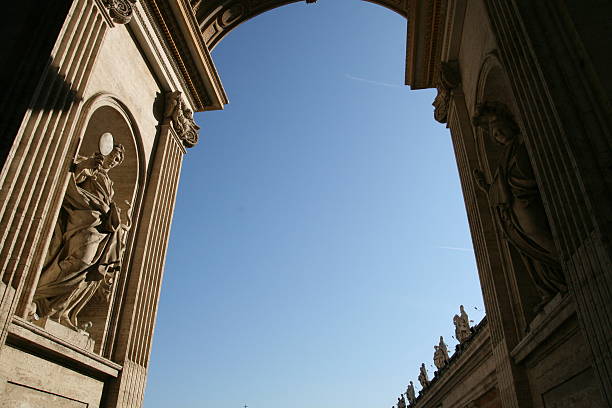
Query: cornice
{"points": [[203, 87], [425, 36]]}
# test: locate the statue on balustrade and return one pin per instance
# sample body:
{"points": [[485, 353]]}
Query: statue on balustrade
{"points": [[462, 326], [423, 378], [410, 393], [444, 348], [515, 199], [401, 402], [440, 354], [88, 242]]}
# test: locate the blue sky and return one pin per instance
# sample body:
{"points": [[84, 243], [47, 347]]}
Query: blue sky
{"points": [[319, 245]]}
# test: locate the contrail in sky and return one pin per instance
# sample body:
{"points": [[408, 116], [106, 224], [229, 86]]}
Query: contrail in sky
{"points": [[456, 248], [369, 81]]}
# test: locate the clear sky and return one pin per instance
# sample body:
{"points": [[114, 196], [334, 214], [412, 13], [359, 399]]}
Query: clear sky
{"points": [[320, 245]]}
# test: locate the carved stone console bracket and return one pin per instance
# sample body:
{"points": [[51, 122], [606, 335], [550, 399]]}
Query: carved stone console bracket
{"points": [[120, 10], [448, 79], [181, 119]]}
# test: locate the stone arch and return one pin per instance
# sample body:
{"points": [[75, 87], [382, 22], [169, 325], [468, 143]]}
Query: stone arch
{"points": [[217, 18]]}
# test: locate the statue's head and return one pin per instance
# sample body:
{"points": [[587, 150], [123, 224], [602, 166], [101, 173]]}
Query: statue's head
{"points": [[495, 118], [114, 158]]}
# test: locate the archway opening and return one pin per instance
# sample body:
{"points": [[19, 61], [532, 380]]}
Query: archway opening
{"points": [[332, 247]]}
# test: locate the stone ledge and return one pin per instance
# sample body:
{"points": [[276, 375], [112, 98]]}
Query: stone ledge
{"points": [[78, 339], [27, 336], [555, 313]]}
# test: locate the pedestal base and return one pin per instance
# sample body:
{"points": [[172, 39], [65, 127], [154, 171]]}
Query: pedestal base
{"points": [[78, 338]]}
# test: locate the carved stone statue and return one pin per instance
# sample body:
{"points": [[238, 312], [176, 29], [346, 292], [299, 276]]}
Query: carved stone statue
{"points": [[444, 348], [423, 378], [181, 119], [410, 394], [87, 244], [401, 402], [438, 358], [516, 202], [462, 326], [440, 354]]}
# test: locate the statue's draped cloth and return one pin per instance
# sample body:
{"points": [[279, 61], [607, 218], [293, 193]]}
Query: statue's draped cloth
{"points": [[515, 198], [86, 247]]}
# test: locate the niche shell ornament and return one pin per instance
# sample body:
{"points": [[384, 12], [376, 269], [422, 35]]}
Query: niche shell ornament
{"points": [[106, 143]]}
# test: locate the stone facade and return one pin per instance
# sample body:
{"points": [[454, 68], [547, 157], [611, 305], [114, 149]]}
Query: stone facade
{"points": [[523, 87]]}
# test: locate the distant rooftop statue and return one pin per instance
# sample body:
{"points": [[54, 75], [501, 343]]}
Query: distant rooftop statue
{"points": [[423, 378], [462, 326], [410, 394]]}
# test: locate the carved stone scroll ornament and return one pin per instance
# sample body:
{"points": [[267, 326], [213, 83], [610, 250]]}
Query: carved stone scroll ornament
{"points": [[120, 10], [410, 393], [448, 79], [88, 242], [181, 119], [515, 199]]}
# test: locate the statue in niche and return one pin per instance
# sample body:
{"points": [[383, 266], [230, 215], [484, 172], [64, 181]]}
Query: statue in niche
{"points": [[88, 241], [515, 199], [181, 119], [462, 326], [410, 393], [423, 378], [440, 354], [401, 402]]}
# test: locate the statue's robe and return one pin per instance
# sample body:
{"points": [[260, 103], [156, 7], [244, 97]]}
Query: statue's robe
{"points": [[86, 247], [515, 199]]}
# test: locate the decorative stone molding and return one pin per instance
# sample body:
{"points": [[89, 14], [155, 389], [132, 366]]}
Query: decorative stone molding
{"points": [[181, 119], [232, 14], [448, 79], [120, 10]]}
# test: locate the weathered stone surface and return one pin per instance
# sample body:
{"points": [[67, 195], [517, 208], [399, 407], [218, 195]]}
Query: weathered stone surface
{"points": [[78, 338], [28, 379]]}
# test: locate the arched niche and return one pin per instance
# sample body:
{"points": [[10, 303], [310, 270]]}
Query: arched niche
{"points": [[101, 114], [494, 87], [107, 114], [107, 119]]}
